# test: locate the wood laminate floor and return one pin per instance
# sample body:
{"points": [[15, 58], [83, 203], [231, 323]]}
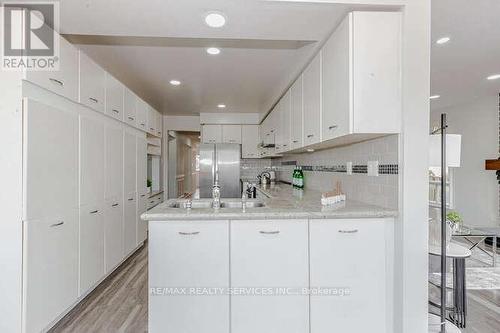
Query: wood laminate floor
{"points": [[120, 304]]}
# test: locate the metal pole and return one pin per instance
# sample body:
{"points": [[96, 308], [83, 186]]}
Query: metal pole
{"points": [[443, 222]]}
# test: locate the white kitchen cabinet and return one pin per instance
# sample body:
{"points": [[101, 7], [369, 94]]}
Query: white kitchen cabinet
{"points": [[91, 250], [91, 160], [92, 81], [231, 134], [129, 105], [51, 160], [129, 162], [361, 76], [142, 114], [151, 121], [159, 124], [113, 161], [189, 254], [211, 133], [50, 269], [130, 223], [142, 226], [296, 115], [250, 140], [113, 234], [63, 81], [338, 260], [283, 128], [141, 188], [268, 254], [114, 97], [312, 101]]}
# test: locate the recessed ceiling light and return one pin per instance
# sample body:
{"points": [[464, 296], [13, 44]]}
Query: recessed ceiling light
{"points": [[494, 77], [215, 20], [443, 40], [221, 106], [175, 82], [213, 50], [434, 96]]}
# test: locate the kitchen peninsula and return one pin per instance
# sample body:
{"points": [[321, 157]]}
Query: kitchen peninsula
{"points": [[283, 242]]}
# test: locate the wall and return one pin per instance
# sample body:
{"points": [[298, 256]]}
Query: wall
{"points": [[381, 190], [475, 189], [181, 123], [250, 168]]}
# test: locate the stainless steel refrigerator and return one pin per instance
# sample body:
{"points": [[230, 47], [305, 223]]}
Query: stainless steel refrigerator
{"points": [[222, 160]]}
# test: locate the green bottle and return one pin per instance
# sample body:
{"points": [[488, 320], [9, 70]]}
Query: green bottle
{"points": [[294, 177], [300, 178]]}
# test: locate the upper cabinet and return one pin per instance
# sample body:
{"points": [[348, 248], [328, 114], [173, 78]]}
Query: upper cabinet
{"points": [[296, 115], [211, 134], [231, 134], [283, 128], [159, 124], [250, 140], [312, 101], [114, 97], [142, 109], [92, 81], [130, 106]]}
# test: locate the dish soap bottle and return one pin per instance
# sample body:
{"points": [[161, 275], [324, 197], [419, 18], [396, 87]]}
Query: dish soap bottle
{"points": [[294, 177], [300, 178]]}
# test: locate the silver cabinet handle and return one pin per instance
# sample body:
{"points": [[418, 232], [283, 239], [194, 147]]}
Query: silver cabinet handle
{"points": [[332, 127], [152, 202], [272, 131], [130, 199], [94, 211], [59, 82], [130, 118], [188, 233], [95, 100], [114, 205], [143, 124], [116, 111], [143, 195], [285, 145], [151, 128], [353, 231], [57, 224], [269, 232], [310, 135], [295, 141]]}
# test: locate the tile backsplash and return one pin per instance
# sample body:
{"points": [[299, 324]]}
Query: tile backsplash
{"points": [[251, 168], [324, 168]]}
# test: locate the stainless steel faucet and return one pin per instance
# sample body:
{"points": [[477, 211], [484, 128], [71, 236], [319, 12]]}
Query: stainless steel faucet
{"points": [[216, 192]]}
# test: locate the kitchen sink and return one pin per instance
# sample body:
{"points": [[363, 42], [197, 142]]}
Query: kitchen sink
{"points": [[207, 203], [238, 204]]}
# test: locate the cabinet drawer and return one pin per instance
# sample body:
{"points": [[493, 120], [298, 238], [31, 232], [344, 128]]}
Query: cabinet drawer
{"points": [[92, 81], [63, 81], [114, 97]]}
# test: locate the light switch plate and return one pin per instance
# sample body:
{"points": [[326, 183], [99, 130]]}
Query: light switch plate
{"points": [[349, 168], [373, 168]]}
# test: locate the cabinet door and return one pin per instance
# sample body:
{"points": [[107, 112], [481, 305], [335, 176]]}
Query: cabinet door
{"points": [[312, 101], [142, 165], [377, 72], [338, 260], [92, 80], [114, 97], [63, 81], [91, 161], [51, 160], [151, 124], [142, 226], [284, 124], [113, 161], [129, 162], [336, 79], [142, 114], [211, 134], [130, 107], [250, 140], [130, 223], [296, 115], [113, 234], [91, 246], [275, 121], [50, 269], [159, 124], [189, 254], [231, 134], [270, 254]]}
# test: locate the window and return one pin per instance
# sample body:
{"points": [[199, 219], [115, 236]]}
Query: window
{"points": [[435, 188]]}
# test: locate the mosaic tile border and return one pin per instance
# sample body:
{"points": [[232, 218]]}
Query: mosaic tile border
{"points": [[383, 169]]}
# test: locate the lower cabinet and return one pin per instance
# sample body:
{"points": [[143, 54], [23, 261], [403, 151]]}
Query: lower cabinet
{"points": [[129, 223], [50, 267], [186, 255], [350, 256], [271, 256], [113, 231], [91, 247]]}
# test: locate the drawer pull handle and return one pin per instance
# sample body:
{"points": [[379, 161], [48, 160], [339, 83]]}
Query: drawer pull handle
{"points": [[152, 202], [131, 118], [332, 127], [143, 124], [94, 211], [95, 100], [59, 82], [310, 135], [116, 111], [353, 231], [57, 224], [269, 232], [151, 128], [295, 141], [114, 205], [130, 199], [188, 233], [143, 195]]}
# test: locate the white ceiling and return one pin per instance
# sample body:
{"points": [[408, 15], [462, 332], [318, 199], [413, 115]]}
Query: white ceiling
{"points": [[459, 68], [257, 63]]}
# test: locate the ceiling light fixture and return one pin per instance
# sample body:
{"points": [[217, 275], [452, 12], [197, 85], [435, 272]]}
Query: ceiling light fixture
{"points": [[215, 19], [443, 40], [221, 106], [213, 50], [494, 77], [175, 82], [434, 96]]}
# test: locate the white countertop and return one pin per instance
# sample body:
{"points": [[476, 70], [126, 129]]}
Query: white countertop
{"points": [[284, 202]]}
